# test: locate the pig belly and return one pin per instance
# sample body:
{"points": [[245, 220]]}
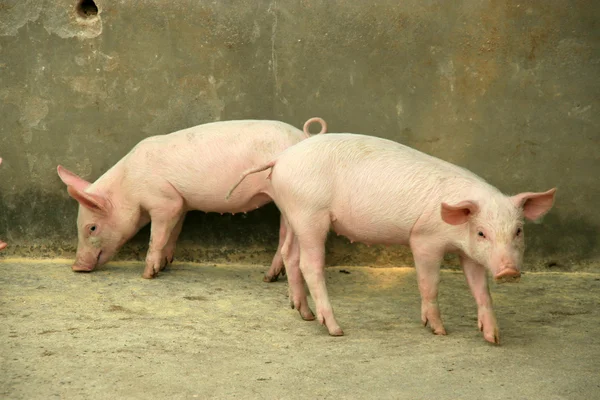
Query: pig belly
{"points": [[211, 196], [237, 205], [366, 231]]}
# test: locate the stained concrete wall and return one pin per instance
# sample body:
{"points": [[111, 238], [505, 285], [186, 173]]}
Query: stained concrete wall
{"points": [[508, 89]]}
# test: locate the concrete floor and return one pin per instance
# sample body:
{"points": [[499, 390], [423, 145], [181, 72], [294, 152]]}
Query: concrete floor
{"points": [[203, 331]]}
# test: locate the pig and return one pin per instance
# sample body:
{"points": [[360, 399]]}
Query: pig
{"points": [[2, 244], [378, 191], [165, 176]]}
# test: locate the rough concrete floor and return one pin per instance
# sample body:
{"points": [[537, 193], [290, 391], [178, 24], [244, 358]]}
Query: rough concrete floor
{"points": [[219, 332]]}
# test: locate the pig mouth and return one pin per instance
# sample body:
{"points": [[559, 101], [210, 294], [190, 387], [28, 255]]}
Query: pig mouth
{"points": [[508, 275]]}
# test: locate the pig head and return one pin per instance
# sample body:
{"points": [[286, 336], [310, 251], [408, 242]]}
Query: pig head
{"points": [[103, 223], [494, 229]]}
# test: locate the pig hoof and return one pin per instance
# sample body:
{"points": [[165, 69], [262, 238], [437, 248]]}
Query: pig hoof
{"points": [[304, 310], [268, 279], [307, 315], [149, 273], [494, 339], [336, 332], [439, 331]]}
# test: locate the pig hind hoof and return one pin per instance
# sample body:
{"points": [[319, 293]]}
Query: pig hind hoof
{"points": [[307, 315], [269, 279]]}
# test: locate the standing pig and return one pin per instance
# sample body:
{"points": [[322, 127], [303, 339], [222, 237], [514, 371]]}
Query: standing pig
{"points": [[378, 191], [165, 176], [2, 244]]}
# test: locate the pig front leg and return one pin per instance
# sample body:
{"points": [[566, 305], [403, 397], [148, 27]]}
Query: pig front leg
{"points": [[277, 264], [296, 291], [163, 223], [477, 279], [427, 264], [3, 245]]}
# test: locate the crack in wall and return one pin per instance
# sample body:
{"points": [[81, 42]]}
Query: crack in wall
{"points": [[271, 10]]}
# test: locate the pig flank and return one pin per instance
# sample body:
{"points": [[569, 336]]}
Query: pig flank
{"points": [[165, 176], [377, 191]]}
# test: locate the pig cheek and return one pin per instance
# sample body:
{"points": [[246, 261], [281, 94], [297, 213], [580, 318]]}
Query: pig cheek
{"points": [[518, 250], [95, 242], [482, 251]]}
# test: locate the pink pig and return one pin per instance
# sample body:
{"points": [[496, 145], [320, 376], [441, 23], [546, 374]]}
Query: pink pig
{"points": [[2, 244], [165, 176], [378, 191]]}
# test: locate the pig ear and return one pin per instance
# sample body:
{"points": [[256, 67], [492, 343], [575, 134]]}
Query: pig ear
{"points": [[70, 179], [534, 205], [459, 213], [93, 202]]}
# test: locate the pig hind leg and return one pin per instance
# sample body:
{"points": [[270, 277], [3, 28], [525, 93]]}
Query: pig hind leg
{"points": [[427, 264], [296, 290], [172, 242], [476, 276], [311, 235], [277, 264], [164, 220]]}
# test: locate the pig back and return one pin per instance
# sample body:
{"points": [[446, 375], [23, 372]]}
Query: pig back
{"points": [[202, 162], [375, 189]]}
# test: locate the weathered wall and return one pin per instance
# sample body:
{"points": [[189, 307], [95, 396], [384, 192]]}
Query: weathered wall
{"points": [[508, 89]]}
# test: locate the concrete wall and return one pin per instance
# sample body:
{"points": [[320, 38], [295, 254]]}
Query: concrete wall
{"points": [[508, 89]]}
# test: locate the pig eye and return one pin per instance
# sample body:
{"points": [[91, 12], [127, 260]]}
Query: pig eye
{"points": [[481, 234], [92, 228], [519, 230]]}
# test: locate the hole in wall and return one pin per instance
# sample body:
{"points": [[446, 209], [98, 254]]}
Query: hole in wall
{"points": [[87, 9]]}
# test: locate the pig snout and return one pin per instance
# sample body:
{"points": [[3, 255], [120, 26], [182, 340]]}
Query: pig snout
{"points": [[507, 273], [86, 265], [82, 268]]}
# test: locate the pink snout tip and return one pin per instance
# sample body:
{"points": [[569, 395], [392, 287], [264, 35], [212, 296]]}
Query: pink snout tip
{"points": [[82, 268], [508, 274]]}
